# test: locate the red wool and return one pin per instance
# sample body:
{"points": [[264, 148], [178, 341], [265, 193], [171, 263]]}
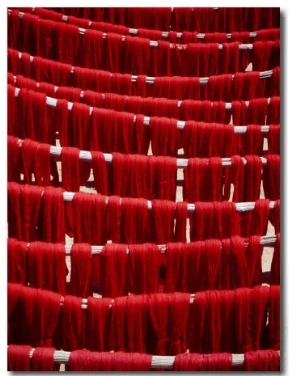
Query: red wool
{"points": [[40, 309], [226, 220], [69, 93], [113, 219], [72, 324], [219, 88], [158, 305], [29, 30], [203, 362], [162, 62], [100, 172], [210, 263], [14, 218], [274, 139], [160, 107], [18, 358], [14, 165], [271, 177], [137, 52], [80, 360], [164, 136], [12, 123], [164, 172], [262, 360], [53, 227], [113, 261], [43, 360], [70, 169], [225, 269], [144, 261], [273, 115], [115, 101], [45, 40], [14, 29], [176, 267], [162, 221], [121, 83], [257, 111], [61, 118], [79, 126], [220, 114], [252, 140], [46, 266], [31, 110], [239, 112], [274, 318], [202, 221], [16, 261], [141, 87], [116, 340], [89, 218], [136, 323], [275, 266], [227, 301], [181, 216], [48, 89], [237, 172], [94, 99], [97, 318], [50, 71], [130, 362], [81, 267], [200, 176], [30, 200], [188, 110], [253, 254], [42, 165], [196, 323], [260, 216], [265, 55], [268, 34], [275, 82], [275, 216], [18, 65], [258, 302], [93, 45], [141, 136], [252, 178], [231, 58], [197, 265], [28, 155], [195, 139], [241, 317], [68, 46], [14, 292], [179, 305], [130, 175], [213, 323], [245, 85]]}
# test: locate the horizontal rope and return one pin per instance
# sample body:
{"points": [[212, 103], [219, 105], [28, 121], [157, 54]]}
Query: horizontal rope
{"points": [[135, 31], [238, 129], [266, 240], [150, 80], [158, 361], [240, 206], [227, 105], [153, 43], [84, 301]]}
